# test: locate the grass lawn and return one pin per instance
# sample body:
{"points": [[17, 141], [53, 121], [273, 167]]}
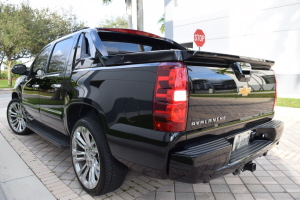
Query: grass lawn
{"points": [[256, 95], [288, 102], [3, 83]]}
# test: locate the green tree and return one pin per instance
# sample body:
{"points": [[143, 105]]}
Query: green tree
{"points": [[106, 2], [118, 22], [162, 22], [129, 10], [24, 31]]}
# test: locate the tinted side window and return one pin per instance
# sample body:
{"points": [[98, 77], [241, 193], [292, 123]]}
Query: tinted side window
{"points": [[78, 51], [40, 62], [60, 55], [85, 47], [83, 50]]}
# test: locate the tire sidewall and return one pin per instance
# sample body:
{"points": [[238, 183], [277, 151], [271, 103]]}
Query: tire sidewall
{"points": [[97, 134], [26, 130]]}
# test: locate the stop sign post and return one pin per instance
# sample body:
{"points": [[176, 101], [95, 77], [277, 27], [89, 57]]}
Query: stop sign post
{"points": [[199, 38]]}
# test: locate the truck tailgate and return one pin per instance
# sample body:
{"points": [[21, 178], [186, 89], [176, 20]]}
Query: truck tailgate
{"points": [[227, 92]]}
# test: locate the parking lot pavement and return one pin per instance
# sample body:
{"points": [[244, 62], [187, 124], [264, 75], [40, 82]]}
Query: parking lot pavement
{"points": [[277, 175]]}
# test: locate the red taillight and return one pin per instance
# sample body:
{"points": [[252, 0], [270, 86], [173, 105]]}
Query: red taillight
{"points": [[170, 97], [275, 95]]}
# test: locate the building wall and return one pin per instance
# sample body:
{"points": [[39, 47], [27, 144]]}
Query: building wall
{"points": [[268, 29]]}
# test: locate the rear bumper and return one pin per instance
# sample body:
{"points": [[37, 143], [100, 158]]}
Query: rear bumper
{"points": [[213, 159]]}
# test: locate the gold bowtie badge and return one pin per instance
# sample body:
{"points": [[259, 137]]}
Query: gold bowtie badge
{"points": [[244, 91]]}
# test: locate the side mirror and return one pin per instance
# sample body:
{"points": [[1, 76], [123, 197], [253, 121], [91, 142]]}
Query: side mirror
{"points": [[19, 69]]}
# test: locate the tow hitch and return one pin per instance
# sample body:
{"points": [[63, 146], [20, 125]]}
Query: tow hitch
{"points": [[250, 166]]}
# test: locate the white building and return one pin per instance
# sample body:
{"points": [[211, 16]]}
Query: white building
{"points": [[268, 29]]}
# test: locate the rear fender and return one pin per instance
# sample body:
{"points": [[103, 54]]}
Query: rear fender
{"points": [[79, 109]]}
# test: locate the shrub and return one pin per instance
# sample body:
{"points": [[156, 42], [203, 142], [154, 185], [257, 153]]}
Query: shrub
{"points": [[3, 75]]}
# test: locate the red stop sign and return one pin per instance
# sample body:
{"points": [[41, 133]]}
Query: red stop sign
{"points": [[199, 37]]}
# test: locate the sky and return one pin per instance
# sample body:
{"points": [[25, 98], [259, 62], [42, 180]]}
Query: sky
{"points": [[93, 11]]}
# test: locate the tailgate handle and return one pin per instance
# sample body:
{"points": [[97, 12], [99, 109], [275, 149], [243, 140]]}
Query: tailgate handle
{"points": [[242, 71]]}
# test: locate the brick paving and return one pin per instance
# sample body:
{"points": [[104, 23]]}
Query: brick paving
{"points": [[277, 175]]}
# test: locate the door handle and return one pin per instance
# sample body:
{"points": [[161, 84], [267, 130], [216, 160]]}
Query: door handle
{"points": [[56, 86], [35, 86]]}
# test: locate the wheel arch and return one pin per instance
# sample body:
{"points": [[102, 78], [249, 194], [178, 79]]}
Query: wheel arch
{"points": [[15, 95], [76, 111]]}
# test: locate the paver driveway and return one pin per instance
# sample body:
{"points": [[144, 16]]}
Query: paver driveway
{"points": [[277, 175]]}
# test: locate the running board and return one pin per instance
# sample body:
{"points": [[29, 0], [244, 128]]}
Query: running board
{"points": [[50, 134]]}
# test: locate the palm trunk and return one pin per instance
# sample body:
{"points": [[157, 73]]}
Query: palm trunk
{"points": [[1, 63], [9, 78], [140, 19], [129, 13]]}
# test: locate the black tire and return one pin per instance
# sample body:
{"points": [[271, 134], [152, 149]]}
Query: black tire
{"points": [[16, 114], [112, 172]]}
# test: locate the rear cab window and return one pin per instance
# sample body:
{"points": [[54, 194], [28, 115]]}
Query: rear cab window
{"points": [[125, 47], [120, 43]]}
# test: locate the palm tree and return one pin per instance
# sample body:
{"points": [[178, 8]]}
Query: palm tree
{"points": [[140, 25], [129, 13], [140, 19], [106, 2], [162, 22], [2, 57]]}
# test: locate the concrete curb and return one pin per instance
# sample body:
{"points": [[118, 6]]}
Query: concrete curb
{"points": [[1, 194], [15, 175]]}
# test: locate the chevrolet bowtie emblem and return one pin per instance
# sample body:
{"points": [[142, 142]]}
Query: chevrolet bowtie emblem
{"points": [[244, 91]]}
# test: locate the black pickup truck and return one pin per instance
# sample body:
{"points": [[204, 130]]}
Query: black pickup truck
{"points": [[124, 99]]}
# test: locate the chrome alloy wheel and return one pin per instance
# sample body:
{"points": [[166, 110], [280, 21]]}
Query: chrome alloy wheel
{"points": [[86, 158], [16, 117]]}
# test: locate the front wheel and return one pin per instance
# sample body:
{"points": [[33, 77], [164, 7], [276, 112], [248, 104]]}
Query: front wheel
{"points": [[96, 169], [16, 117]]}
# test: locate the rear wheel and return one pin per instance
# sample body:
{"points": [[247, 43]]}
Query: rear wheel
{"points": [[96, 170], [17, 117]]}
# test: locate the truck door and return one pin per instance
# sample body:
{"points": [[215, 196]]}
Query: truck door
{"points": [[52, 89], [31, 89]]}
